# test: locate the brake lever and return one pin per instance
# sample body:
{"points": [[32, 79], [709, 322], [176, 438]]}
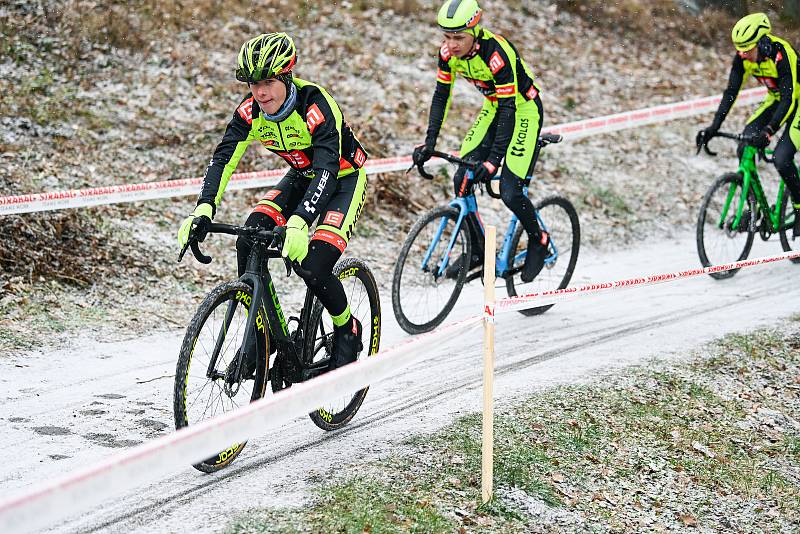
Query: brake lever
{"points": [[183, 251]]}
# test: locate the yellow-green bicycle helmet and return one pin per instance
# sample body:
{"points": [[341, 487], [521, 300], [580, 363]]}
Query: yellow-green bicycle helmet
{"points": [[459, 15], [749, 30], [267, 56]]}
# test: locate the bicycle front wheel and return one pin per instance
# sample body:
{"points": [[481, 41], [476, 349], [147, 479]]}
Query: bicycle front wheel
{"points": [[719, 241], [559, 219], [430, 272], [204, 377], [365, 305], [788, 243]]}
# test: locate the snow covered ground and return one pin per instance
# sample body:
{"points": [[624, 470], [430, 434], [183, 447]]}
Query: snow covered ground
{"points": [[68, 408]]}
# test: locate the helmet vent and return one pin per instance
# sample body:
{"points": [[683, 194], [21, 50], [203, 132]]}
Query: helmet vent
{"points": [[452, 8]]}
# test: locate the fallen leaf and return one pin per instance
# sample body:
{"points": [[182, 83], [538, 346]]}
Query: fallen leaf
{"points": [[696, 445], [557, 477], [688, 520]]}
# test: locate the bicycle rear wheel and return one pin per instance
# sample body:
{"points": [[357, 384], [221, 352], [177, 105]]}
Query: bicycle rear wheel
{"points": [[203, 390], [365, 305], [786, 232], [559, 219], [718, 242], [421, 295]]}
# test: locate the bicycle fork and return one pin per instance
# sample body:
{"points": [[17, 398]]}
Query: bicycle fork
{"points": [[464, 207]]}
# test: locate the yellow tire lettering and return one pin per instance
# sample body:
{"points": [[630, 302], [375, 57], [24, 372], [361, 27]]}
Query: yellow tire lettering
{"points": [[376, 334]]}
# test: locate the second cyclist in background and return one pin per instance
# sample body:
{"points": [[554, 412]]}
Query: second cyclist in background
{"points": [[507, 127], [773, 62]]}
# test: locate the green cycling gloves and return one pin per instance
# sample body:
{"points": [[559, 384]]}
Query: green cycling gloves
{"points": [[295, 246], [202, 210]]}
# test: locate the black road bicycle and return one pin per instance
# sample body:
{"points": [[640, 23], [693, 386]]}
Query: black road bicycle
{"points": [[224, 360]]}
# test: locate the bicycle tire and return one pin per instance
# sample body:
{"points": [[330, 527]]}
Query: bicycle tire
{"points": [[787, 230], [413, 287], [712, 238], [550, 278], [184, 400], [365, 304]]}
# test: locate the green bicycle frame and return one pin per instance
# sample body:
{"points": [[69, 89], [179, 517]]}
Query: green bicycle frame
{"points": [[750, 180]]}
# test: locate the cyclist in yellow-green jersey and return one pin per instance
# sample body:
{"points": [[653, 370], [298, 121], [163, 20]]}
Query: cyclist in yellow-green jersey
{"points": [[300, 122], [773, 62], [507, 127]]}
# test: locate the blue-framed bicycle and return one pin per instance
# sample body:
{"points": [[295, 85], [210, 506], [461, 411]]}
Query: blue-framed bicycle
{"points": [[432, 267]]}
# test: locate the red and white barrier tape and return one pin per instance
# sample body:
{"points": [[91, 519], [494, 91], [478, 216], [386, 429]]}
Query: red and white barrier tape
{"points": [[96, 196], [45, 504], [545, 298], [652, 115]]}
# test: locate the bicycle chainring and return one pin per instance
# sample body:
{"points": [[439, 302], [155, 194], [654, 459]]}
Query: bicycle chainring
{"points": [[765, 228]]}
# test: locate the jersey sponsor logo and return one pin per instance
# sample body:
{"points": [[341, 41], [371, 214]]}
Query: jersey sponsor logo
{"points": [[778, 57], [314, 118], [532, 93], [506, 90], [269, 142], [354, 220], [311, 205], [475, 126], [480, 84], [296, 158], [266, 133], [444, 77], [271, 212], [496, 63], [272, 194], [246, 110], [334, 218], [360, 157], [444, 51], [330, 238], [769, 83], [518, 148]]}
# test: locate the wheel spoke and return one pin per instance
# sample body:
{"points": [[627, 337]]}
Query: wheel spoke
{"points": [[209, 397]]}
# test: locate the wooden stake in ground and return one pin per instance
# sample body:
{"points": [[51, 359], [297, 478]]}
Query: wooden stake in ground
{"points": [[487, 449]]}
